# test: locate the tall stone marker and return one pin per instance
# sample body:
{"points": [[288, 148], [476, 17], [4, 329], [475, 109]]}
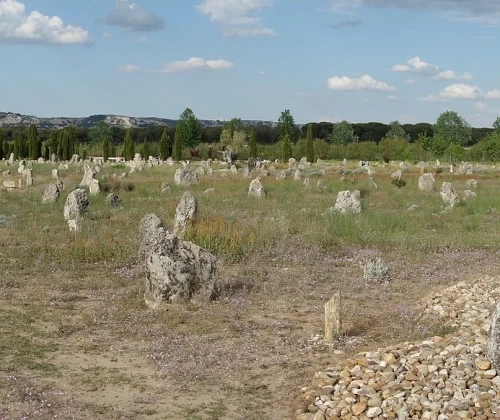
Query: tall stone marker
{"points": [[493, 349], [333, 324]]}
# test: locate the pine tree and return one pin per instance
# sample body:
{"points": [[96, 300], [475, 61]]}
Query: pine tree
{"points": [[178, 142], [286, 148], [309, 144], [128, 146], [165, 144], [252, 144]]}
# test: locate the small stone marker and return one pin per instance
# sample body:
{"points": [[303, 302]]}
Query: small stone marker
{"points": [[9, 185], [493, 347], [333, 322]]}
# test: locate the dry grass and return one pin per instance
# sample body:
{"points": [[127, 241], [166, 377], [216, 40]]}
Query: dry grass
{"points": [[77, 340]]}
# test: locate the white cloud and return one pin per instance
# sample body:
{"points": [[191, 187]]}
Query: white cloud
{"points": [[344, 7], [446, 75], [493, 94], [130, 68], [35, 28], [392, 97], [365, 82], [106, 35], [237, 17], [196, 63], [454, 91], [411, 81], [416, 65], [133, 17]]}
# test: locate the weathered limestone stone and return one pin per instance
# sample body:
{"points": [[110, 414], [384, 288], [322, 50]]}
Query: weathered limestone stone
{"points": [[6, 173], [28, 173], [348, 202], [186, 212], [184, 176], [9, 185], [321, 185], [53, 157], [55, 173], [75, 158], [97, 169], [233, 169], [307, 181], [256, 189], [333, 323], [88, 177], [137, 164], [246, 171], [113, 200], [76, 204], [493, 348], [471, 184], [344, 162], [165, 188], [22, 167], [74, 225], [449, 195], [60, 185], [94, 187], [200, 171], [209, 191], [51, 194], [41, 160], [292, 163], [297, 175], [281, 175], [176, 270], [426, 182], [397, 174], [11, 159], [468, 194], [372, 184]]}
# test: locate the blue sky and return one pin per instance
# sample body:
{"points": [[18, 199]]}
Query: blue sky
{"points": [[325, 60]]}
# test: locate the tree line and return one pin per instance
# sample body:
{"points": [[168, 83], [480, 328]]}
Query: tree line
{"points": [[450, 136]]}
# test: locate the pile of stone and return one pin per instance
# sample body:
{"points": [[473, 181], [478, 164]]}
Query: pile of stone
{"points": [[454, 377]]}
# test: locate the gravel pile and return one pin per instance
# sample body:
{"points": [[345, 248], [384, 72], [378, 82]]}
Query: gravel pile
{"points": [[441, 378]]}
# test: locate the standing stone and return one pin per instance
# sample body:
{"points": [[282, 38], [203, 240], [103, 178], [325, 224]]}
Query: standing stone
{"points": [[165, 188], [186, 212], [200, 171], [113, 200], [176, 270], [256, 189], [184, 176], [449, 195], [9, 185], [41, 160], [53, 158], [246, 171], [471, 184], [29, 177], [321, 185], [493, 348], [297, 176], [88, 177], [11, 159], [75, 158], [51, 194], [76, 204], [22, 166], [397, 174], [74, 225], [372, 184], [426, 182], [307, 181], [344, 162], [292, 163], [233, 169], [348, 202], [468, 194], [281, 175], [20, 183], [333, 323], [94, 187], [6, 173], [55, 174]]}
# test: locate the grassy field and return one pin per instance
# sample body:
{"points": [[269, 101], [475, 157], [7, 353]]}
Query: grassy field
{"points": [[77, 341]]}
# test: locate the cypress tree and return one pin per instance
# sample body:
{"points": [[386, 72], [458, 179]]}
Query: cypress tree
{"points": [[253, 144], [128, 146], [165, 144], [178, 143], [145, 150], [309, 144], [6, 149], [105, 148], [33, 148], [286, 148]]}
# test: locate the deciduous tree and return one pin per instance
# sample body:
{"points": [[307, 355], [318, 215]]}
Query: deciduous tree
{"points": [[343, 133], [286, 126], [453, 128]]}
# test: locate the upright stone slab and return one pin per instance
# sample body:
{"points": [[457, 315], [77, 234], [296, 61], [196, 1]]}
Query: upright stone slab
{"points": [[55, 174], [29, 177], [9, 185], [176, 270], [256, 189], [94, 187], [51, 194], [76, 204], [281, 175], [88, 176], [333, 322], [11, 159], [186, 211], [113, 200], [348, 202], [184, 176], [449, 195], [426, 182], [321, 185], [493, 348]]}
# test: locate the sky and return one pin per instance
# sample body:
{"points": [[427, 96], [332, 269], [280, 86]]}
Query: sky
{"points": [[324, 60]]}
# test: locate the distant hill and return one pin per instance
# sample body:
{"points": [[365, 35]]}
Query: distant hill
{"points": [[9, 119]]}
